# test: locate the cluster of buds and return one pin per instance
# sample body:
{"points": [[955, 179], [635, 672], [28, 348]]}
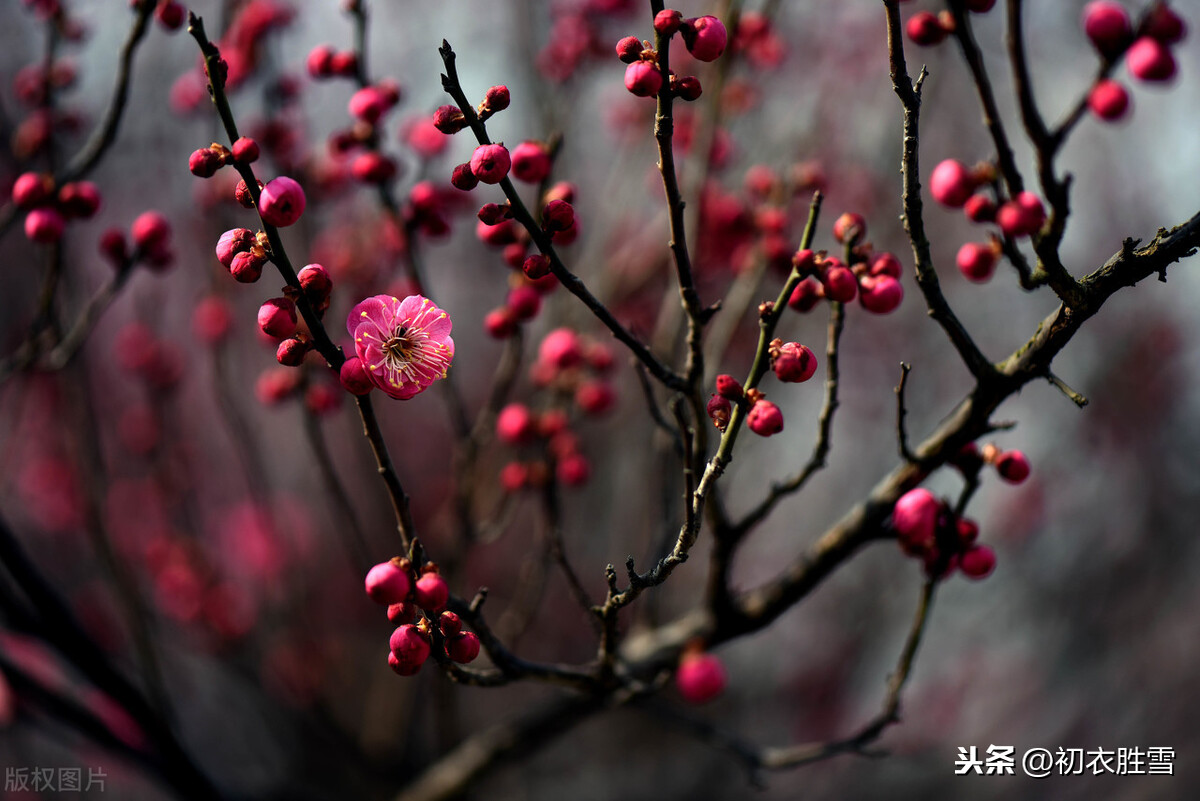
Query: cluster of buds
{"points": [[705, 38], [1147, 50], [416, 603], [48, 207], [150, 234], [243, 253], [206, 161], [873, 277], [573, 370], [367, 108], [927, 529], [1012, 466], [973, 190], [277, 317], [927, 29], [325, 61], [549, 437], [762, 417]]}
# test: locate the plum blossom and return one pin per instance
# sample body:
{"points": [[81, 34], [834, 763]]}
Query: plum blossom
{"points": [[404, 345]]}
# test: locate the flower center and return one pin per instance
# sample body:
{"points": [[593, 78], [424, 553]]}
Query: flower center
{"points": [[398, 348]]}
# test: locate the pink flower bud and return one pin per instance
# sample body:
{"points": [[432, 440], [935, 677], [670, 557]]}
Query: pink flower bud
{"points": [[667, 21], [344, 64], [561, 349], [463, 647], [880, 294], [490, 163], [925, 29], [368, 104], [1108, 100], [322, 398], [524, 302], [493, 213], [241, 193], [595, 397], [246, 267], [79, 199], [170, 14], [449, 623], [629, 49], [32, 189], [515, 424], [233, 242], [150, 231], [113, 247], [977, 261], [388, 583], [402, 613], [915, 518], [977, 562], [462, 178], [277, 318], [316, 285], [951, 184], [44, 225], [980, 208], [449, 119], [500, 323], [573, 470], [514, 476], [704, 37], [558, 215], [281, 202], [794, 363], [885, 264], [245, 150], [764, 418], [276, 385], [354, 377], [1012, 466], [205, 162], [1021, 216], [849, 228], [967, 530], [701, 677], [839, 283], [373, 167], [688, 88], [291, 352], [536, 266], [496, 99], [431, 592], [643, 79], [410, 649], [719, 409], [530, 162], [1150, 60], [1107, 24], [1163, 24], [806, 295], [212, 319], [320, 61], [728, 387]]}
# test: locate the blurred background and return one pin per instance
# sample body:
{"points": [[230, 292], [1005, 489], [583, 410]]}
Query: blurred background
{"points": [[173, 465]]}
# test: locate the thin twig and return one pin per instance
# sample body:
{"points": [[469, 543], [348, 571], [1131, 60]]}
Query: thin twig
{"points": [[901, 412], [927, 279], [574, 285]]}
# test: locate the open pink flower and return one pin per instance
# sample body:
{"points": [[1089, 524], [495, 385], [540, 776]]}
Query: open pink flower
{"points": [[405, 345]]}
